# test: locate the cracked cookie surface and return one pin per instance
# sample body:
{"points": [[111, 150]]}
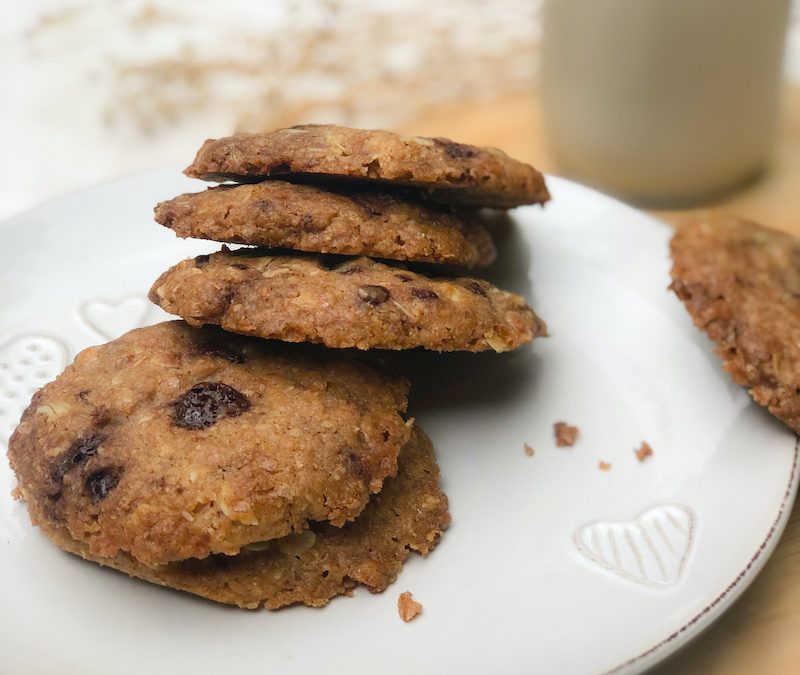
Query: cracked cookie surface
{"points": [[444, 170], [740, 282], [357, 303], [279, 214], [174, 442], [311, 567]]}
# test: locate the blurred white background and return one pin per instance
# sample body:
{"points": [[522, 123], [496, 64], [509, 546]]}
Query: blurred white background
{"points": [[95, 90]]}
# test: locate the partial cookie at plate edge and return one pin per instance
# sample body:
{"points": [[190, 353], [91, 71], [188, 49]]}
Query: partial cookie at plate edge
{"points": [[740, 282]]}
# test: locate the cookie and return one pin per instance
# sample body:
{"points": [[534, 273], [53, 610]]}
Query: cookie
{"points": [[312, 567], [741, 284], [356, 303], [174, 442], [307, 218], [446, 171]]}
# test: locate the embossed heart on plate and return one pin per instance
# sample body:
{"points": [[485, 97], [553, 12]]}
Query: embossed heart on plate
{"points": [[650, 550], [26, 363], [109, 318]]}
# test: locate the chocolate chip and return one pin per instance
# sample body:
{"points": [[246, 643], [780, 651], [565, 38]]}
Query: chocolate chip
{"points": [[205, 403], [476, 288], [99, 483], [353, 269], [83, 395], [240, 266], [456, 150], [374, 295], [385, 435], [403, 277], [263, 205], [202, 260], [424, 294], [76, 454]]}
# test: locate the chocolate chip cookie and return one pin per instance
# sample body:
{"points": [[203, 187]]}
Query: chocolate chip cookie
{"points": [[445, 171], [741, 284], [174, 442], [356, 303], [313, 566], [307, 218]]}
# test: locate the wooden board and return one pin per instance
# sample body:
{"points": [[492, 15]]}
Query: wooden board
{"points": [[760, 634]]}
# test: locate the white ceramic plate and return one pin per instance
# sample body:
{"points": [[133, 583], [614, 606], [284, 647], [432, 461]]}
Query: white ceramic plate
{"points": [[551, 564]]}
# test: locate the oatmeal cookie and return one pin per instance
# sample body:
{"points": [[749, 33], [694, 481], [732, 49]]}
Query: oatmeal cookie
{"points": [[356, 303], [444, 170], [740, 282], [307, 218], [174, 442]]}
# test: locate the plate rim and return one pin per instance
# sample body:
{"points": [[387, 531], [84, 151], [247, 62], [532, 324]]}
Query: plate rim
{"points": [[694, 627]]}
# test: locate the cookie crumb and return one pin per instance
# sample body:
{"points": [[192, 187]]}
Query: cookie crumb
{"points": [[643, 452], [603, 466], [566, 435], [528, 449], [16, 493], [407, 607]]}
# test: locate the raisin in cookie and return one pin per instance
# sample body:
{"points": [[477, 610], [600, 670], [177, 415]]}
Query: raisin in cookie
{"points": [[174, 442], [313, 566], [358, 303], [446, 171], [741, 284], [308, 218]]}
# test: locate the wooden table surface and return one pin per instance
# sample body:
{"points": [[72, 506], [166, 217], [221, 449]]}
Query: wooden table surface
{"points": [[761, 632]]}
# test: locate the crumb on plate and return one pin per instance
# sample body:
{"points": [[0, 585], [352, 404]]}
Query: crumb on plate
{"points": [[566, 434], [528, 449], [603, 466], [644, 451], [407, 607]]}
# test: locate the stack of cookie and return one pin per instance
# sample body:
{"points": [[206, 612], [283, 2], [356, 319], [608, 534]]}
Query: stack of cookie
{"points": [[229, 467], [198, 455], [372, 194]]}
